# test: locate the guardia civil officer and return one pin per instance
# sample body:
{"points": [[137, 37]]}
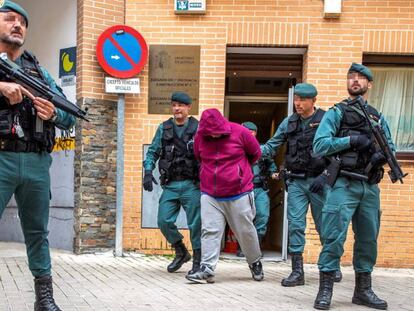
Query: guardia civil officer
{"points": [[303, 174], [264, 168], [27, 136], [345, 133], [173, 146]]}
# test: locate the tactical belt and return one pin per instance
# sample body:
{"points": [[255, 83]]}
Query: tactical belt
{"points": [[353, 175], [179, 178], [303, 174], [20, 146]]}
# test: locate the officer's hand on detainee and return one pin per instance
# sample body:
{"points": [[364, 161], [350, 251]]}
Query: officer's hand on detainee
{"points": [[318, 184], [275, 176], [360, 142], [14, 92], [148, 180]]}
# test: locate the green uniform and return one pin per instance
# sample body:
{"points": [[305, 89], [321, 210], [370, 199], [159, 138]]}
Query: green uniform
{"points": [[347, 200], [299, 196], [185, 193], [26, 175], [261, 171]]}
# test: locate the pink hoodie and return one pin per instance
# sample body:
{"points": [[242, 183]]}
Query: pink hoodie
{"points": [[225, 161]]}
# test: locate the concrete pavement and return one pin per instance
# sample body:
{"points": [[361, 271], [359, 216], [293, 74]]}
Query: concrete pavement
{"points": [[138, 282]]}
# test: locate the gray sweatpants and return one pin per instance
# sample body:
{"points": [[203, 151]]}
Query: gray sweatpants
{"points": [[239, 214]]}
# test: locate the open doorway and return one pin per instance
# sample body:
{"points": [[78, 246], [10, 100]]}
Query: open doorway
{"points": [[259, 85]]}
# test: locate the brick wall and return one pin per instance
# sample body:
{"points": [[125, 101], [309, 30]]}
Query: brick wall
{"points": [[364, 26], [95, 160]]}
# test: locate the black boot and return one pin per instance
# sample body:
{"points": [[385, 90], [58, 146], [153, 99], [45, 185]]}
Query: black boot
{"points": [[196, 261], [323, 299], [181, 257], [338, 276], [297, 277], [363, 293], [44, 294]]}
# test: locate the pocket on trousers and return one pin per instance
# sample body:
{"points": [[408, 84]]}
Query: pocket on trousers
{"points": [[331, 222]]}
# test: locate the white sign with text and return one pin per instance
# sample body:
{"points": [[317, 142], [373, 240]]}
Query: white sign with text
{"points": [[122, 86]]}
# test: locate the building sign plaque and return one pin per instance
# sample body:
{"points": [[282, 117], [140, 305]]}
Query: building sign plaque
{"points": [[173, 68], [190, 6]]}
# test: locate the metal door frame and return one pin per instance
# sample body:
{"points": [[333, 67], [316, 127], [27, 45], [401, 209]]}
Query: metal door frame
{"points": [[276, 100]]}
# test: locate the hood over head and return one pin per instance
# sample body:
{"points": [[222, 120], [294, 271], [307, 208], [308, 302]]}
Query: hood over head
{"points": [[212, 122]]}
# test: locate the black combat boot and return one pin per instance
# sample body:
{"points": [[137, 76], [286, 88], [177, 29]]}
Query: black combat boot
{"points": [[297, 277], [338, 276], [363, 293], [44, 294], [181, 257], [323, 299], [196, 261]]}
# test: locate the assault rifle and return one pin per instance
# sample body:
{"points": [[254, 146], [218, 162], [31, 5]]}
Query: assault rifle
{"points": [[38, 88], [395, 171]]}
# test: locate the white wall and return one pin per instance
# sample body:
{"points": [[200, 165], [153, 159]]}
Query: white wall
{"points": [[52, 26]]}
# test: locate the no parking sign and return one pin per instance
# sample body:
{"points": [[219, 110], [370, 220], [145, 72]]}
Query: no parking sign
{"points": [[122, 51]]}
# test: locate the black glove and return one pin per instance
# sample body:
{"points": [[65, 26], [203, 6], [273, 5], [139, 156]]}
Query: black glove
{"points": [[318, 183], [148, 180], [360, 142], [378, 159], [375, 176]]}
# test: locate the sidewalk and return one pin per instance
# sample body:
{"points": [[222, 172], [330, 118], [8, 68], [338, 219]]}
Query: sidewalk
{"points": [[138, 282]]}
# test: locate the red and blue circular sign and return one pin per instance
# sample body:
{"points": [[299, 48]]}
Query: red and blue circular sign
{"points": [[122, 51]]}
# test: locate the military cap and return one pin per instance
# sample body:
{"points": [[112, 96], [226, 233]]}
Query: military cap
{"points": [[181, 97], [7, 6], [250, 125], [362, 70], [306, 90]]}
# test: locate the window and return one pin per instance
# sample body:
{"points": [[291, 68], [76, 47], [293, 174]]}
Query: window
{"points": [[393, 95]]}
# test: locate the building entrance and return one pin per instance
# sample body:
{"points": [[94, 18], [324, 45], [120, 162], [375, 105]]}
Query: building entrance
{"points": [[259, 88]]}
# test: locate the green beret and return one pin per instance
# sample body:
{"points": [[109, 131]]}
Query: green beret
{"points": [[306, 90], [181, 97], [250, 125], [362, 70], [7, 6]]}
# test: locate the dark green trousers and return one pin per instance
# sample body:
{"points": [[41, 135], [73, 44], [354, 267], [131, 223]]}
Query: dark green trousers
{"points": [[357, 201], [27, 176], [176, 194], [298, 200], [262, 203]]}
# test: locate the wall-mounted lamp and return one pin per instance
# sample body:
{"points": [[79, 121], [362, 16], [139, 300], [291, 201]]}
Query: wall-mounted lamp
{"points": [[332, 8]]}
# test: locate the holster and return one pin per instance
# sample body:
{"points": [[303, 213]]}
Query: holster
{"points": [[332, 171]]}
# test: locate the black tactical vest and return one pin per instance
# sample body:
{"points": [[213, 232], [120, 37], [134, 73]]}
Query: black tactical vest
{"points": [[299, 156], [20, 129], [177, 161], [354, 123]]}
